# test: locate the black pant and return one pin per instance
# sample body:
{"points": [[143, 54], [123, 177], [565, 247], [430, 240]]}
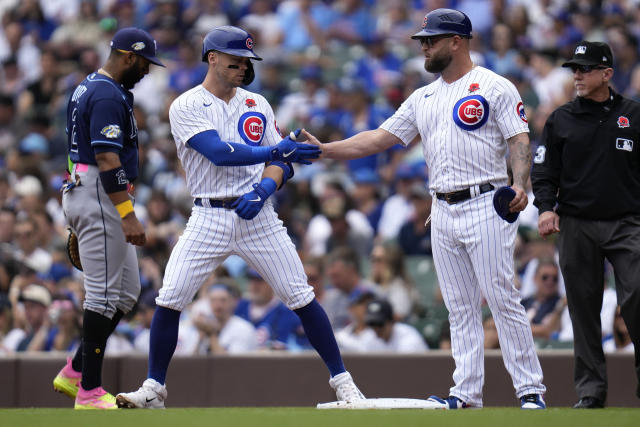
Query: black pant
{"points": [[583, 246]]}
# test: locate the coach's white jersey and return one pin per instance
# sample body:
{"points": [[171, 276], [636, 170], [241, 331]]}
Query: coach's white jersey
{"points": [[246, 119], [464, 126]]}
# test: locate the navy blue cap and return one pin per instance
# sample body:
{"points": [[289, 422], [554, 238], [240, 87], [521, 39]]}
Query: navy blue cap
{"points": [[501, 200], [365, 176], [137, 41]]}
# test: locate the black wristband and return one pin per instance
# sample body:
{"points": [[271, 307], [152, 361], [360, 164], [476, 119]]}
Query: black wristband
{"points": [[114, 180]]}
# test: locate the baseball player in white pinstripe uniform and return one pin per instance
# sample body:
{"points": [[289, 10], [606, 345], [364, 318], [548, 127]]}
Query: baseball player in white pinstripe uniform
{"points": [[224, 135], [463, 119]]}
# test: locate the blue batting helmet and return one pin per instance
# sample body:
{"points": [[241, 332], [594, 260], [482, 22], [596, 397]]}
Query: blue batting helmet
{"points": [[444, 21], [231, 40]]}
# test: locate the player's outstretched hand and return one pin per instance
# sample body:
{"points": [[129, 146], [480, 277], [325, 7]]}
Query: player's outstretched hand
{"points": [[133, 230], [248, 205], [288, 150], [311, 139]]}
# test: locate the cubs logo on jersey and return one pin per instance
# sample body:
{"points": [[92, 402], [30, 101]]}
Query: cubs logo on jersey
{"points": [[251, 127], [521, 112], [111, 131], [471, 112]]}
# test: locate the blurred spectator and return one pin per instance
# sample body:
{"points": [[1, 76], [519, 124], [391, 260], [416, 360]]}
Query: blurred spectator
{"points": [[503, 58], [277, 327], [357, 336], [337, 224], [394, 285], [398, 208], [7, 224], [65, 333], [314, 269], [264, 25], [394, 336], [35, 301], [224, 332], [619, 341], [28, 246], [490, 331], [144, 316], [544, 309], [82, 31], [415, 235], [548, 80], [343, 270], [366, 195], [302, 23], [8, 124], [8, 335], [190, 69], [22, 52], [352, 22], [295, 109], [625, 57]]}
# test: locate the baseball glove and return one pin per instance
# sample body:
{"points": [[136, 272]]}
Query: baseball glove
{"points": [[73, 250]]}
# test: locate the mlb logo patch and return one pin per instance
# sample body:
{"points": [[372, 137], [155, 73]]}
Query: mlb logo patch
{"points": [[580, 50], [624, 144], [623, 122]]}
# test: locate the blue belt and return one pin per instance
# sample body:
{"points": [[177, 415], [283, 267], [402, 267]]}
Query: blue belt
{"points": [[215, 203]]}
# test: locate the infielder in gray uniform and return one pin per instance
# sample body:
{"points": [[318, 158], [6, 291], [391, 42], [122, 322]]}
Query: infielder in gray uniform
{"points": [[103, 160]]}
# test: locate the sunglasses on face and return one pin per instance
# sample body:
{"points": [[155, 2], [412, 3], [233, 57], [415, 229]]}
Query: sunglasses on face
{"points": [[584, 69], [431, 41]]}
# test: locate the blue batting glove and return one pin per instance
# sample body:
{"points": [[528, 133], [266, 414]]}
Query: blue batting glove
{"points": [[249, 205], [290, 151]]}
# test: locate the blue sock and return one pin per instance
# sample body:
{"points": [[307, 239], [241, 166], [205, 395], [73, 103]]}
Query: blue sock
{"points": [[162, 342], [318, 329]]}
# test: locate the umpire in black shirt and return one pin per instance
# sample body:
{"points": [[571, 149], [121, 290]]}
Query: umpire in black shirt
{"points": [[586, 182]]}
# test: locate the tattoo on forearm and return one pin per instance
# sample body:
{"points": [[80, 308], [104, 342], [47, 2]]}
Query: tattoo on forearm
{"points": [[520, 158]]}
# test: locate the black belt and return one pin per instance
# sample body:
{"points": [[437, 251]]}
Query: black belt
{"points": [[216, 203], [462, 195]]}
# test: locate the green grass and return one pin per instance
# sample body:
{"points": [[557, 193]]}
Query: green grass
{"points": [[308, 417]]}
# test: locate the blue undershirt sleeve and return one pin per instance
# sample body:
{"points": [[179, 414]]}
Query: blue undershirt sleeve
{"points": [[222, 153]]}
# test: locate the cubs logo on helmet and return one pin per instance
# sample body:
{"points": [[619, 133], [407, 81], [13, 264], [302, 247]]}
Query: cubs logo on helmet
{"points": [[623, 122], [471, 112], [521, 112], [251, 127], [249, 43]]}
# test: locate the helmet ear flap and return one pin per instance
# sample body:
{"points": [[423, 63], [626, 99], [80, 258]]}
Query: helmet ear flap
{"points": [[249, 74]]}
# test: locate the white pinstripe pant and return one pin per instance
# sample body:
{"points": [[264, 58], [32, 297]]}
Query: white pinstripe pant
{"points": [[212, 234], [473, 255]]}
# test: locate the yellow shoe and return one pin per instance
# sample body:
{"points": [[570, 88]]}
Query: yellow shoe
{"points": [[67, 381], [96, 398]]}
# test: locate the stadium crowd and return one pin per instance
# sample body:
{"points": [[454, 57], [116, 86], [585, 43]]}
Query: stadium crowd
{"points": [[335, 67]]}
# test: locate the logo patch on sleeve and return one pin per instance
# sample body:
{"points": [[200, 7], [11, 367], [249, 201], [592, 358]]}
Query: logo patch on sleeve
{"points": [[471, 112], [111, 131], [521, 113], [251, 127]]}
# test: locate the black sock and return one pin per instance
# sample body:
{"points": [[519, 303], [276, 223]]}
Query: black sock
{"points": [[96, 330], [76, 363]]}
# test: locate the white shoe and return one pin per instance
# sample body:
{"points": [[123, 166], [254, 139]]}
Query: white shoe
{"points": [[151, 395], [345, 388]]}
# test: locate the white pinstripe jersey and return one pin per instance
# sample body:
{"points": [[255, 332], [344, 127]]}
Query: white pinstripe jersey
{"points": [[463, 126], [247, 119]]}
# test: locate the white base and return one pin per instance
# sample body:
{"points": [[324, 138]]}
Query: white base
{"points": [[383, 403]]}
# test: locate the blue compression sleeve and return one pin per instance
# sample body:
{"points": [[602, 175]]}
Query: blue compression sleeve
{"points": [[222, 153]]}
